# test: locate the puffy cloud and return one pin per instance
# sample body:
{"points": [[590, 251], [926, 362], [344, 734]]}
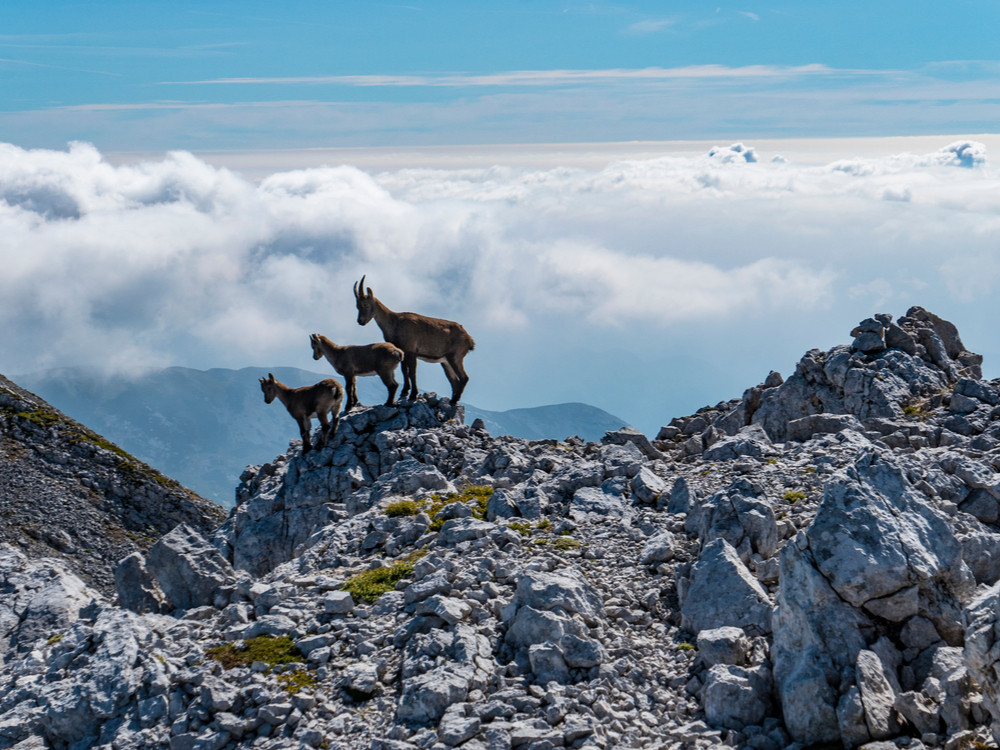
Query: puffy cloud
{"points": [[173, 261], [734, 153]]}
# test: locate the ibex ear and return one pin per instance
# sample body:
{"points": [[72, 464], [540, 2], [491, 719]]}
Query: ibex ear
{"points": [[370, 295]]}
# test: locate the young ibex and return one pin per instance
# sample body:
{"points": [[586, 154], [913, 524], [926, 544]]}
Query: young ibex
{"points": [[352, 361], [321, 400], [420, 337]]}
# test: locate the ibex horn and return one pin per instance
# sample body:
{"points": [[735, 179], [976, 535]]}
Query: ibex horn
{"points": [[362, 285]]}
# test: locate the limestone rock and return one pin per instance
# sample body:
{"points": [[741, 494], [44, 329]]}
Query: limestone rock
{"points": [[875, 536], [738, 516], [749, 441], [40, 598], [189, 571], [816, 424], [647, 487], [659, 548], [723, 593], [726, 645], [877, 696], [735, 697]]}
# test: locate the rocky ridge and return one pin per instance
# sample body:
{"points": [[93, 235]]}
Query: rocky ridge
{"points": [[67, 492], [815, 562]]}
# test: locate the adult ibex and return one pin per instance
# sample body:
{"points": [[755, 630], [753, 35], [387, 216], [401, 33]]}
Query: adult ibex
{"points": [[321, 400], [351, 361], [420, 337]]}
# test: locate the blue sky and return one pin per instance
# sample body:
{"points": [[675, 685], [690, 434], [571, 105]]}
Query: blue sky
{"points": [[236, 167], [162, 75]]}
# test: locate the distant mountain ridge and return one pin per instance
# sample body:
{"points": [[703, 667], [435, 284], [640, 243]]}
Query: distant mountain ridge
{"points": [[551, 421], [204, 427]]}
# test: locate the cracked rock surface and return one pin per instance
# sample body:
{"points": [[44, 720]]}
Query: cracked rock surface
{"points": [[814, 562]]}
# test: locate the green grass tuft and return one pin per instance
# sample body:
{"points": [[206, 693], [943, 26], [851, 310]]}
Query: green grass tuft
{"points": [[791, 497], [565, 543], [402, 508], [371, 584], [522, 528], [478, 493]]}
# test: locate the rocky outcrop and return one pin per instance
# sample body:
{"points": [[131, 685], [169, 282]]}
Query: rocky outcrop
{"points": [[876, 557], [740, 581], [886, 368], [68, 493]]}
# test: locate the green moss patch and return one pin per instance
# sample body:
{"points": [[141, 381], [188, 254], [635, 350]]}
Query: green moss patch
{"points": [[478, 495], [791, 497], [265, 648], [402, 508], [41, 417], [371, 584], [296, 682]]}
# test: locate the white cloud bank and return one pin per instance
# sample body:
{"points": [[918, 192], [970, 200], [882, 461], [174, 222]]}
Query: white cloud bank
{"points": [[556, 272]]}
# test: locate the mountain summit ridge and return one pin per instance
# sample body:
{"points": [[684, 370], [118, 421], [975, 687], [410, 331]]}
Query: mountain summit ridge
{"points": [[815, 562], [69, 492], [204, 426]]}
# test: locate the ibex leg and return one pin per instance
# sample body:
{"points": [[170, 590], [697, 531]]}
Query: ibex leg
{"points": [[352, 392], [305, 428], [324, 431], [455, 372], [389, 381], [410, 376]]}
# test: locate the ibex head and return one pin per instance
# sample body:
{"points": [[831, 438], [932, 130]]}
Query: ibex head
{"points": [[314, 340], [269, 387], [365, 300]]}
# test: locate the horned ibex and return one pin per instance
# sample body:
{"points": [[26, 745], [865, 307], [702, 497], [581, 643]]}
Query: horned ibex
{"points": [[420, 337], [321, 400], [352, 361]]}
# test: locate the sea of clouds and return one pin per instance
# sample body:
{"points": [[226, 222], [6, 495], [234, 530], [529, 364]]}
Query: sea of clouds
{"points": [[648, 287]]}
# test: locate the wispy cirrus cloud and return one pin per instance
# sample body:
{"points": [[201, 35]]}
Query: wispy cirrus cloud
{"points": [[649, 26], [539, 77], [30, 64]]}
